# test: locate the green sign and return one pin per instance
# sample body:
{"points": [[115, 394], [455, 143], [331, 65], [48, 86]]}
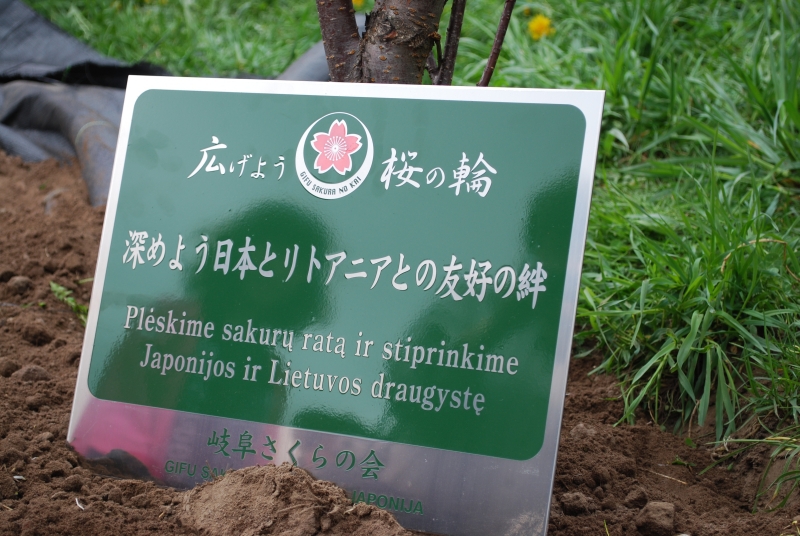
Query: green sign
{"points": [[375, 283], [389, 269]]}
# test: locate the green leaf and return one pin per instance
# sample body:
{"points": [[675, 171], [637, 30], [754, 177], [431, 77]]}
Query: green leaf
{"points": [[702, 409]]}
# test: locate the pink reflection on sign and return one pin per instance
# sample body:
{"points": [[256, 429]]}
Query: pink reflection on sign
{"points": [[125, 433]]}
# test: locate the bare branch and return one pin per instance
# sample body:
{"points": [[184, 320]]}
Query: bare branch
{"points": [[447, 65], [337, 21], [498, 43], [433, 67], [435, 64]]}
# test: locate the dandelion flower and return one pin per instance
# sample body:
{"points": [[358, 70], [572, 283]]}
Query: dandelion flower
{"points": [[539, 27], [358, 4]]}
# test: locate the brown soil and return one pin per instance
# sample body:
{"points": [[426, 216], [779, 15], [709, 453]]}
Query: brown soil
{"points": [[606, 474], [625, 477]]}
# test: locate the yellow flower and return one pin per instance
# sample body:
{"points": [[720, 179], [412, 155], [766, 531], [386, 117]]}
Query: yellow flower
{"points": [[539, 27], [358, 4]]}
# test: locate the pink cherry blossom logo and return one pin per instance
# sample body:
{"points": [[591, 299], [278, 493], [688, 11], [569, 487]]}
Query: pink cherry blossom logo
{"points": [[335, 148]]}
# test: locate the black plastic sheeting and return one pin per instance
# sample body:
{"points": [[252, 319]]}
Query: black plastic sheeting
{"points": [[41, 121], [311, 66], [59, 98]]}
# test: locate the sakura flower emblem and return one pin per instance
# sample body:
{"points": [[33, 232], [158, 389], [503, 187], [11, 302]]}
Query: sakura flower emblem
{"points": [[335, 148]]}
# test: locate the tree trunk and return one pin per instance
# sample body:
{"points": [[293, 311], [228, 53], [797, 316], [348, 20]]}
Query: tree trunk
{"points": [[399, 37], [398, 41], [337, 19]]}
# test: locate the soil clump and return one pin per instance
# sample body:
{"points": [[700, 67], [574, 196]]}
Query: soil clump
{"points": [[281, 500], [634, 480]]}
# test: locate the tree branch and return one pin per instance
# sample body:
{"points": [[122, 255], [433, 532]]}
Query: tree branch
{"points": [[498, 43], [337, 21], [444, 75], [433, 67]]}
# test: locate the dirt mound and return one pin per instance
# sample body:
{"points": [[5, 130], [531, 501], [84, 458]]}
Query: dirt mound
{"points": [[281, 500], [635, 480]]}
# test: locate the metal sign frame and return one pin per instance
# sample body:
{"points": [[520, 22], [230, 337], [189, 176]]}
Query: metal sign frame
{"points": [[430, 489]]}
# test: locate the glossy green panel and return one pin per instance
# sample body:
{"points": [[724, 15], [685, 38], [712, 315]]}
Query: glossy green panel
{"points": [[531, 153]]}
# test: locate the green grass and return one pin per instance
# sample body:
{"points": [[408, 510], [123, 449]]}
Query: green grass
{"points": [[192, 37], [688, 290], [64, 295]]}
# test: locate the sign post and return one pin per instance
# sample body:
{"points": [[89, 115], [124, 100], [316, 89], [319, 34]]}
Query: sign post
{"points": [[375, 283]]}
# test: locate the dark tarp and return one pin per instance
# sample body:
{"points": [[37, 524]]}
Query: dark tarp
{"points": [[59, 98], [311, 66], [41, 121]]}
